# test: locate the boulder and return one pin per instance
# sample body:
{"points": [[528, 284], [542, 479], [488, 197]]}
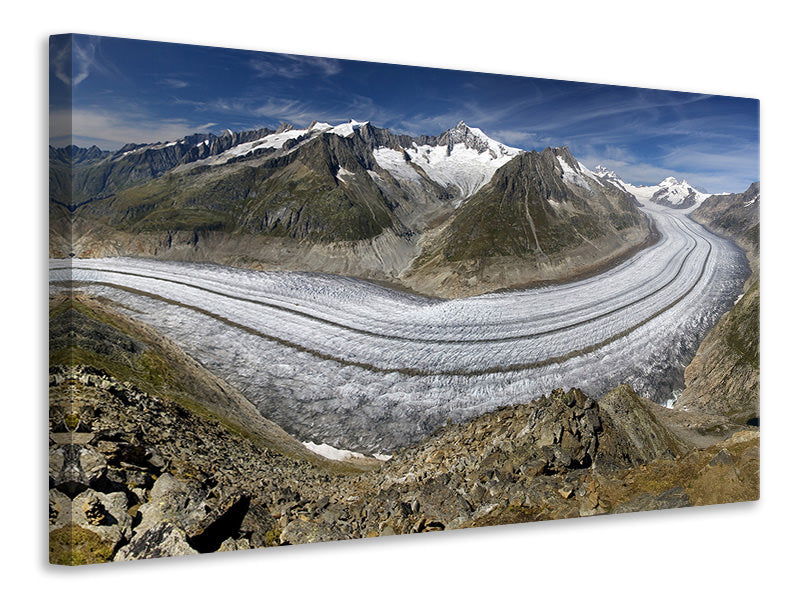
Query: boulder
{"points": [[174, 501], [163, 539], [306, 532]]}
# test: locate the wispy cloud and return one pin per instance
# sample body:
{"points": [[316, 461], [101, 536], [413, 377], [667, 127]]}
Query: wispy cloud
{"points": [[82, 59], [292, 66], [174, 83], [110, 130]]}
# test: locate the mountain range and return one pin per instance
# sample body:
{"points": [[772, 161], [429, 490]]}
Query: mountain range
{"points": [[447, 215], [670, 192]]}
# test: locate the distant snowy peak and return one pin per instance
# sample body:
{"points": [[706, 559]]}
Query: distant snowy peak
{"points": [[670, 192], [604, 173], [676, 193]]}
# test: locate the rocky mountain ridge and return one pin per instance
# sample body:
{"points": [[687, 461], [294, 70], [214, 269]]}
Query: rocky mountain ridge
{"points": [[160, 482], [349, 199]]}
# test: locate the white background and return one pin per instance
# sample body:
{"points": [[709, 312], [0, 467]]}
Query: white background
{"points": [[739, 49]]}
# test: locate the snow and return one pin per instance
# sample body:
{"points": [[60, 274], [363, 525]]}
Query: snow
{"points": [[277, 140], [572, 176], [342, 173], [755, 199], [347, 129], [355, 365], [331, 452], [673, 191], [465, 168], [273, 140], [394, 162]]}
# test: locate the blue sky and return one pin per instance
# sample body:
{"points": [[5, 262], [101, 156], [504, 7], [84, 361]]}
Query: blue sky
{"points": [[133, 91]]}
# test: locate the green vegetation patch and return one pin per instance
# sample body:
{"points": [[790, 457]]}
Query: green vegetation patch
{"points": [[743, 327], [74, 545]]}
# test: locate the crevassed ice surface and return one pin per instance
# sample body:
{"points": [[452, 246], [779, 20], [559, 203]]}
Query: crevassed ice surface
{"points": [[354, 365]]}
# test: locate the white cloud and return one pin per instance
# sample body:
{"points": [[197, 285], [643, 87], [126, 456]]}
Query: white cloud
{"points": [[111, 130], [174, 83]]}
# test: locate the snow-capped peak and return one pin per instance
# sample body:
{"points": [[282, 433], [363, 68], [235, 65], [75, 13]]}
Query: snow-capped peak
{"points": [[670, 192], [604, 173], [476, 139], [463, 157], [347, 129]]}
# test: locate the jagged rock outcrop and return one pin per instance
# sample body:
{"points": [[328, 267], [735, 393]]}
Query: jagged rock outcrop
{"points": [[171, 482], [634, 433]]}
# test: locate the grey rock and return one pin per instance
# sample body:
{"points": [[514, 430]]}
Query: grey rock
{"points": [[306, 532], [104, 514], [174, 501], [163, 539], [676, 497], [723, 457]]}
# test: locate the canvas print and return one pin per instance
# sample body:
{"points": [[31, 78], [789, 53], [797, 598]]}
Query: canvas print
{"points": [[297, 299]]}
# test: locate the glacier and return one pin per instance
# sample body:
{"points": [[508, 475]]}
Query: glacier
{"points": [[349, 364]]}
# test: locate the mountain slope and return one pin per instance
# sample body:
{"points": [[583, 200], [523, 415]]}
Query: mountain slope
{"points": [[543, 216], [96, 173], [724, 376], [735, 216], [454, 214]]}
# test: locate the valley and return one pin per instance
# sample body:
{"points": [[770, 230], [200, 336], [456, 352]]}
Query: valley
{"points": [[354, 365]]}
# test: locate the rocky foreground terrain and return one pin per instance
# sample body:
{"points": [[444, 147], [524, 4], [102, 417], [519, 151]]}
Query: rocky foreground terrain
{"points": [[153, 456]]}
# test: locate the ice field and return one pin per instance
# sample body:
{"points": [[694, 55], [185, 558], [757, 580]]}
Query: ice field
{"points": [[348, 363]]}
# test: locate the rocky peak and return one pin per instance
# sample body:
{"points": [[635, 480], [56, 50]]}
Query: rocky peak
{"points": [[463, 134], [286, 127], [475, 139], [564, 153], [605, 173]]}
